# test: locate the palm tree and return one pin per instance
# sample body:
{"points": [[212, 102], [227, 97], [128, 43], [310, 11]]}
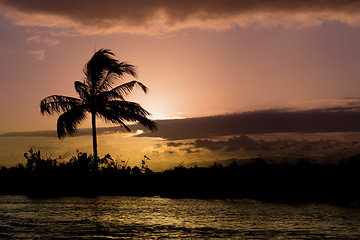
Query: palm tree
{"points": [[99, 97]]}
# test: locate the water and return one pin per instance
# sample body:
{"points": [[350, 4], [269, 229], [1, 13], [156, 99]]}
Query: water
{"points": [[154, 217]]}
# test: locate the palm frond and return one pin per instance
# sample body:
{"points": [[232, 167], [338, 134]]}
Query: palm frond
{"points": [[95, 67], [110, 116], [82, 89], [109, 96], [68, 121], [148, 123], [126, 111], [126, 88], [114, 73], [128, 108], [58, 104], [128, 69], [103, 69]]}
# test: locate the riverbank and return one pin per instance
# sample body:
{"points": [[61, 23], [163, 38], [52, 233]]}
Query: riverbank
{"points": [[257, 179]]}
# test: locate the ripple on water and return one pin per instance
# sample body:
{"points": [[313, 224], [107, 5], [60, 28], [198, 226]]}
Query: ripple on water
{"points": [[154, 217]]}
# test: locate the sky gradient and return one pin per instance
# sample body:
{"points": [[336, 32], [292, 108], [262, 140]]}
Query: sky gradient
{"points": [[198, 58]]}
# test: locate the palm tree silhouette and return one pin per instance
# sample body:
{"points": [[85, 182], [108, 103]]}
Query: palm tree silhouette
{"points": [[99, 97]]}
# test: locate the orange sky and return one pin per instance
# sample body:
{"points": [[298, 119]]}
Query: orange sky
{"points": [[198, 58]]}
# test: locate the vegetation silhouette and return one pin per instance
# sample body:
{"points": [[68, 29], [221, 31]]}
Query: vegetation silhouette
{"points": [[258, 178], [99, 96]]}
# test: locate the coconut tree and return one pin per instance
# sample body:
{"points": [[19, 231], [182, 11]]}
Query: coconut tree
{"points": [[99, 96]]}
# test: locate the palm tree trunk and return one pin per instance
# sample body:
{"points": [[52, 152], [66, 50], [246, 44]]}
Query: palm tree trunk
{"points": [[93, 121]]}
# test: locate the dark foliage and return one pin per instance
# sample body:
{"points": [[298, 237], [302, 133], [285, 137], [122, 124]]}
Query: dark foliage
{"points": [[256, 179], [99, 96]]}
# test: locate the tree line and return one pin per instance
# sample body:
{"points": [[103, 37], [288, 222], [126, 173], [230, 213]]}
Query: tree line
{"points": [[256, 178]]}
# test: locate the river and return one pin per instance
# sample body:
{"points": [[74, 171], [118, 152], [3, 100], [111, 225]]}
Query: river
{"points": [[121, 217]]}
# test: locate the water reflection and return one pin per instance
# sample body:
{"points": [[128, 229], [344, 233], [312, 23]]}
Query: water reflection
{"points": [[153, 217]]}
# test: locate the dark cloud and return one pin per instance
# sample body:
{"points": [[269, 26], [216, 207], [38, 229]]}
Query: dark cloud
{"points": [[174, 144], [189, 150], [47, 133], [166, 15], [232, 144], [351, 99], [208, 144], [287, 150], [246, 143], [258, 122], [80, 132]]}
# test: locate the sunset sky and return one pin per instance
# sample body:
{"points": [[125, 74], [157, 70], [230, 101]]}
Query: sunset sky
{"points": [[198, 58]]}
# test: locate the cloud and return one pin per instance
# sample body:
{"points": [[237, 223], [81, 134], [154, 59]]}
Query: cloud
{"points": [[189, 150], [247, 143], [339, 119], [231, 144], [80, 132], [158, 145], [35, 39], [159, 16], [174, 144], [289, 150], [47, 41], [38, 54], [51, 41]]}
